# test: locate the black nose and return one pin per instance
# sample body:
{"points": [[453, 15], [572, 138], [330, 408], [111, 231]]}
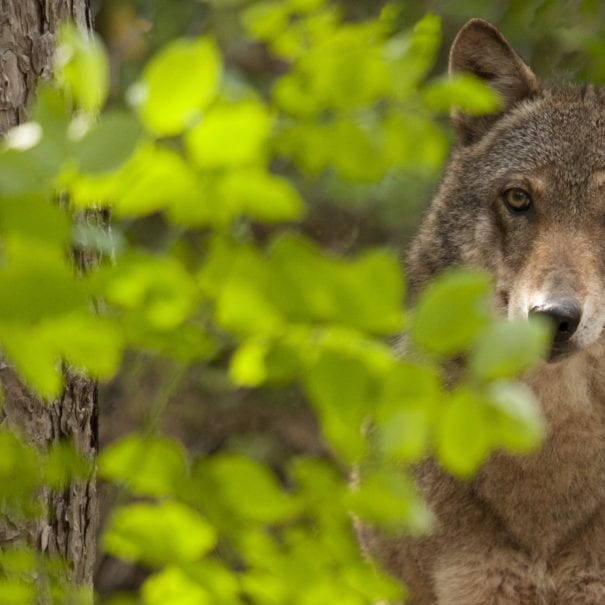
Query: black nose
{"points": [[564, 317]]}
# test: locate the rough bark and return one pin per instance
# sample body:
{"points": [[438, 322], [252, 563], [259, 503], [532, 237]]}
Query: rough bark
{"points": [[68, 523]]}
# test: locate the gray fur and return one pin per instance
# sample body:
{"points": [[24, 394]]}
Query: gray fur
{"points": [[526, 530]]}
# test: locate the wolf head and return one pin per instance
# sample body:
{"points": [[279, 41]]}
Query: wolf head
{"points": [[524, 195]]}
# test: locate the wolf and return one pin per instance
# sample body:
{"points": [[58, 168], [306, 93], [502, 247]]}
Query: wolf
{"points": [[523, 197]]}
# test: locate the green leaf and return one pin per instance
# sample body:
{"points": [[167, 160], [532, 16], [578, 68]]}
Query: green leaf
{"points": [[265, 501], [151, 466], [81, 66], [230, 135], [407, 410], [64, 464], [85, 341], [17, 592], [463, 433], [341, 389], [154, 178], [520, 425], [35, 217], [357, 151], [265, 20], [465, 92], [413, 54], [178, 83], [509, 348], [34, 267], [261, 195], [172, 586], [247, 366], [243, 303], [109, 144], [20, 466], [158, 288], [451, 312], [37, 362], [29, 172], [390, 499], [413, 141], [308, 286], [158, 534]]}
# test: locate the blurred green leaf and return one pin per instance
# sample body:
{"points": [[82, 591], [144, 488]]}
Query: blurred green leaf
{"points": [[178, 83], [152, 466], [261, 195], [234, 475], [35, 217], [509, 348], [451, 312], [158, 534], [463, 433], [158, 288], [390, 499], [248, 363], [20, 467], [342, 392], [37, 363], [308, 285], [152, 179], [17, 592], [91, 343], [172, 586], [520, 424], [230, 135], [407, 410], [81, 66], [109, 143], [464, 92], [64, 464]]}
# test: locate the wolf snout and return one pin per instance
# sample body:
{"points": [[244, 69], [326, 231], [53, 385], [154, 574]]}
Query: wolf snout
{"points": [[564, 316]]}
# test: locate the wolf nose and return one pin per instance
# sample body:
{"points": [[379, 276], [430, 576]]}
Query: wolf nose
{"points": [[564, 317]]}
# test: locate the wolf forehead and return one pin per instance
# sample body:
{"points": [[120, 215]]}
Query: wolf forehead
{"points": [[556, 138]]}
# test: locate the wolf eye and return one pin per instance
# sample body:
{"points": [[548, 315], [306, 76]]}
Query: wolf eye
{"points": [[517, 199]]}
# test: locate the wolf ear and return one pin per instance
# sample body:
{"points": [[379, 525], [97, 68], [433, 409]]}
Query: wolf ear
{"points": [[480, 49]]}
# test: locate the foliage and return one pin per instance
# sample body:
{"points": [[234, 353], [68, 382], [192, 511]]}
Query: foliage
{"points": [[214, 157]]}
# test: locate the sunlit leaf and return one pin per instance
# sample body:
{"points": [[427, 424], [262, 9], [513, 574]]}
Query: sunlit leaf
{"points": [[520, 425], [109, 143], [147, 465], [391, 500], [248, 363], [37, 363], [159, 288], [509, 348], [265, 20], [464, 436], [172, 586], [462, 91], [341, 390], [230, 135], [178, 83], [91, 343], [261, 195], [81, 66], [451, 312], [64, 464], [158, 534], [265, 501]]}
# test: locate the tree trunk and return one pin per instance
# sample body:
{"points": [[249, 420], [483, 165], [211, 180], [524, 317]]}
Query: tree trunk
{"points": [[68, 524]]}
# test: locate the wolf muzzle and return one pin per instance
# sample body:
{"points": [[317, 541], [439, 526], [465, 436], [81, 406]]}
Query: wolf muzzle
{"points": [[564, 318]]}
